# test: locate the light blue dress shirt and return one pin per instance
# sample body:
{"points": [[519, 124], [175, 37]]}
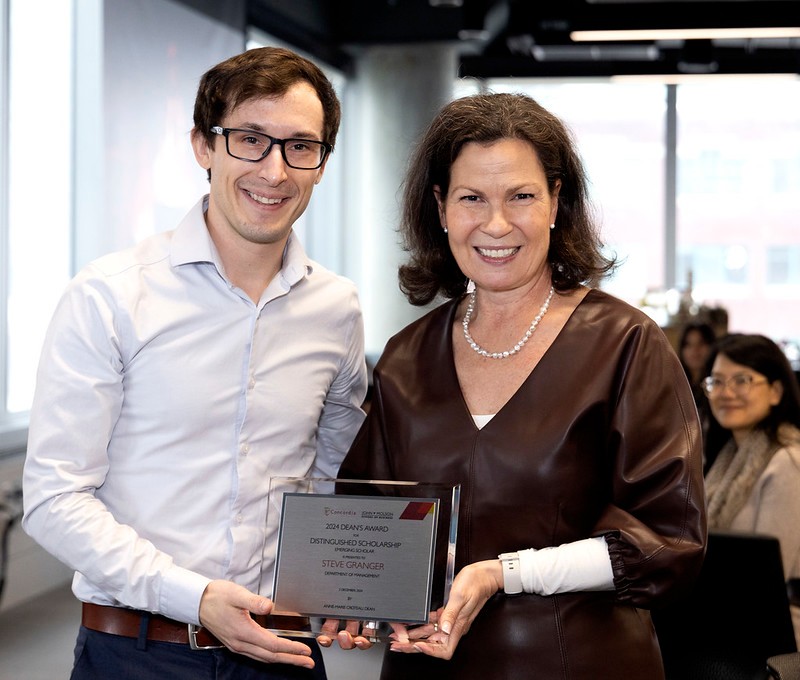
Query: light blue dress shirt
{"points": [[166, 400]]}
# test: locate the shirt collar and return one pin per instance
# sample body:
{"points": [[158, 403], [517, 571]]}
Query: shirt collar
{"points": [[192, 244]]}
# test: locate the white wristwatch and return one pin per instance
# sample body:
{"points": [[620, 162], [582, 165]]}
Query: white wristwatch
{"points": [[512, 578]]}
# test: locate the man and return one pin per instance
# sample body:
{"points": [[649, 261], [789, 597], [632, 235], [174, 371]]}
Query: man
{"points": [[178, 376]]}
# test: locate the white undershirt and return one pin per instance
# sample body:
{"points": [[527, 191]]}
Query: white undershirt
{"points": [[480, 421], [567, 568]]}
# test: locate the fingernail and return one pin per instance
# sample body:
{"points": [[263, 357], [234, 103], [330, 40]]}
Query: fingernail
{"points": [[446, 628]]}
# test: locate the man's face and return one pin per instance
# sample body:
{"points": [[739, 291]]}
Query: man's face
{"points": [[259, 202]]}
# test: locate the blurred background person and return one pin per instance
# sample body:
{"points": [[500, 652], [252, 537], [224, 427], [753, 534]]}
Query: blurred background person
{"points": [[694, 349], [754, 482]]}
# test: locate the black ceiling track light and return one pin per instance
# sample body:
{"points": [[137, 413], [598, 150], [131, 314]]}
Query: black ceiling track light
{"points": [[569, 38]]}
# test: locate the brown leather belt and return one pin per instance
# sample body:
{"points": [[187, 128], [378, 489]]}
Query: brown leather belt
{"points": [[128, 623]]}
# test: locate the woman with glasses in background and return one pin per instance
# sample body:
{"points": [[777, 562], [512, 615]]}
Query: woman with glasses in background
{"points": [[754, 483]]}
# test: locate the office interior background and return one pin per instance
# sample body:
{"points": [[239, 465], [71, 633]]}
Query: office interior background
{"points": [[692, 148]]}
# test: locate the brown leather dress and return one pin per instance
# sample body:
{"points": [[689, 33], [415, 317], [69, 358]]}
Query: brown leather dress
{"points": [[602, 439]]}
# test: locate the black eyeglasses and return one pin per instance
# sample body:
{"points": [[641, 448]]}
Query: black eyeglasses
{"points": [[739, 384], [251, 146]]}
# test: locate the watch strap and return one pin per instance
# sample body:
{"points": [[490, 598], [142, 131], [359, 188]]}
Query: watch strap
{"points": [[512, 576]]}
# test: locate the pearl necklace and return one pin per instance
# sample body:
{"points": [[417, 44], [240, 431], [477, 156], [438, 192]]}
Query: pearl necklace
{"points": [[519, 345]]}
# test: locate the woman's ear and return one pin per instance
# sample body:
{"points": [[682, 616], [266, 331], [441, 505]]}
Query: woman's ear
{"points": [[437, 192], [775, 392], [554, 199]]}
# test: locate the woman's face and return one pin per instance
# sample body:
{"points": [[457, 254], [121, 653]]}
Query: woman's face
{"points": [[695, 351], [737, 405], [498, 213]]}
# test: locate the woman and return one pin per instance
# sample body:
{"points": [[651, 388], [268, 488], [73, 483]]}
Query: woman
{"points": [[694, 348], [754, 481], [563, 413]]}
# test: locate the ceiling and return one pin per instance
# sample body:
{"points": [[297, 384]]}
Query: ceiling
{"points": [[499, 38]]}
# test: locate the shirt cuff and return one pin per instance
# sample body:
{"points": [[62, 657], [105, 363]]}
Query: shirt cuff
{"points": [[181, 593], [567, 568]]}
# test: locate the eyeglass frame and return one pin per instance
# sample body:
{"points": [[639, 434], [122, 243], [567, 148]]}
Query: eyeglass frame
{"points": [[711, 384], [225, 132]]}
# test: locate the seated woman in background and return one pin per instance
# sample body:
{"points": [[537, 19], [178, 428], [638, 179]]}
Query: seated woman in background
{"points": [[694, 349], [754, 483]]}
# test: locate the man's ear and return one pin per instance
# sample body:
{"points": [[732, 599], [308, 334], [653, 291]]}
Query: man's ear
{"points": [[321, 170], [202, 151]]}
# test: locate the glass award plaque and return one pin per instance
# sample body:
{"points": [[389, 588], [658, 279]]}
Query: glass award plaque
{"points": [[373, 551]]}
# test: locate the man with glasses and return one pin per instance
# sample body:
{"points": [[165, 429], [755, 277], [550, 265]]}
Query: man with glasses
{"points": [[178, 376]]}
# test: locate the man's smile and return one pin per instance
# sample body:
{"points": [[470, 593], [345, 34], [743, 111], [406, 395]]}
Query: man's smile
{"points": [[264, 199]]}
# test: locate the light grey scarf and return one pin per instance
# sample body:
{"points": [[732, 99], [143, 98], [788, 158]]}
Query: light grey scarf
{"points": [[733, 475], [736, 470]]}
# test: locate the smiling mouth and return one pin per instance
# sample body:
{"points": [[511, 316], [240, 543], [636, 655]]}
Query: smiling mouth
{"points": [[263, 199], [728, 409], [497, 253]]}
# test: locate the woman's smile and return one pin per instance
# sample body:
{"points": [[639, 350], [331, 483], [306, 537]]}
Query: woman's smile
{"points": [[497, 253]]}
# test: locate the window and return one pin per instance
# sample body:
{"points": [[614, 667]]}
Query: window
{"points": [[737, 230], [783, 264], [37, 206], [619, 131], [102, 87]]}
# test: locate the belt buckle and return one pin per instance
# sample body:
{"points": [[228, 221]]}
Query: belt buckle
{"points": [[193, 631]]}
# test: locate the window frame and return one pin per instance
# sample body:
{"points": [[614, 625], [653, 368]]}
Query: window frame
{"points": [[13, 427]]}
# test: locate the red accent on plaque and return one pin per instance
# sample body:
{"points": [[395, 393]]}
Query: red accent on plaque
{"points": [[417, 510]]}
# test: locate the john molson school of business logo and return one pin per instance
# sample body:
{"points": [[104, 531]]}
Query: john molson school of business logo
{"points": [[417, 510]]}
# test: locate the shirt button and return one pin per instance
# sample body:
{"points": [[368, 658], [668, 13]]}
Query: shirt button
{"points": [[245, 449], [251, 384], [239, 519]]}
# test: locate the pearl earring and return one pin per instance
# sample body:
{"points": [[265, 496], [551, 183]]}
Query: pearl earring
{"points": [[553, 226], [445, 230]]}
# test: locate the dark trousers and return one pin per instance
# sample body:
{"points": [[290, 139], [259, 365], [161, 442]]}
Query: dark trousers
{"points": [[101, 656]]}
